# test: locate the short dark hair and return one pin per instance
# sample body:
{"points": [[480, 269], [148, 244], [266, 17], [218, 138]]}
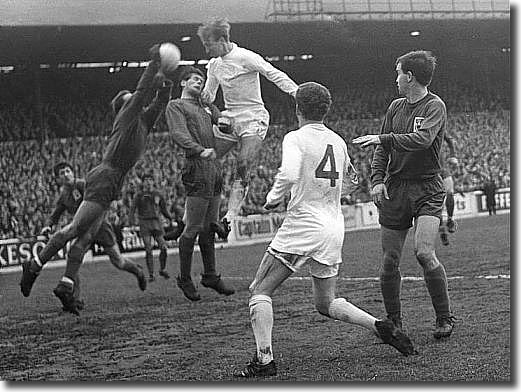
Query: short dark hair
{"points": [[60, 166], [188, 71], [420, 63], [118, 101], [313, 101]]}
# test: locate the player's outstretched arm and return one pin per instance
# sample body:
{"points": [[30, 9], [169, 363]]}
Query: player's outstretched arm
{"points": [[162, 97], [274, 75], [146, 87]]}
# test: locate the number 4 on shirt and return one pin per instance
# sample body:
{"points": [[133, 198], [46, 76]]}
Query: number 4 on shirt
{"points": [[331, 174]]}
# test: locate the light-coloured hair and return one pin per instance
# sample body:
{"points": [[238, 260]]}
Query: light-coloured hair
{"points": [[214, 29]]}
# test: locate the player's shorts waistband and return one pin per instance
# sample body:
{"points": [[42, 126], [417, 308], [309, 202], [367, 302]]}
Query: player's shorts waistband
{"points": [[435, 176]]}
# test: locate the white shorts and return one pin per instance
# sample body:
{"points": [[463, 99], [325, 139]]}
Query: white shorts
{"points": [[253, 122], [448, 182], [295, 263]]}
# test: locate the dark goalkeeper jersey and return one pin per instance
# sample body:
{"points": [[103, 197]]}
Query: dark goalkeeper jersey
{"points": [[127, 141], [411, 139]]}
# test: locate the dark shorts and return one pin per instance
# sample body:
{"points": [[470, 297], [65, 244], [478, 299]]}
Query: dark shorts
{"points": [[150, 227], [202, 178], [105, 236], [410, 199], [103, 184]]}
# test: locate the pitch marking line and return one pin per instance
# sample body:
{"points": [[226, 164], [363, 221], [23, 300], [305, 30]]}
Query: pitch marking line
{"points": [[377, 279]]}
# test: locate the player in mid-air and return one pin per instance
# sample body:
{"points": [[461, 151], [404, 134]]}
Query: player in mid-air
{"points": [[236, 70], [191, 126], [71, 194], [407, 185], [315, 165], [125, 146], [149, 203]]}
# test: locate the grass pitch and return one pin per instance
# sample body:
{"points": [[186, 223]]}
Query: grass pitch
{"points": [[124, 334]]}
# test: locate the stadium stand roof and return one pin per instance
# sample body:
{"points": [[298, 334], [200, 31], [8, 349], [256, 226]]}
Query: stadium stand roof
{"points": [[53, 44], [113, 12]]}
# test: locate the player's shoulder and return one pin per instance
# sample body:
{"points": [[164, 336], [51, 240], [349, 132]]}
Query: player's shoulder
{"points": [[397, 102], [435, 100], [246, 53], [175, 102]]}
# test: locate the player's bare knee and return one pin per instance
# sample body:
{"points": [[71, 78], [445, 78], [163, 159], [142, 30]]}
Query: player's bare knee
{"points": [[427, 259]]}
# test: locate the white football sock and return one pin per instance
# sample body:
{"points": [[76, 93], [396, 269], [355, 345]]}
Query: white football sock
{"points": [[235, 200], [340, 309], [261, 315]]}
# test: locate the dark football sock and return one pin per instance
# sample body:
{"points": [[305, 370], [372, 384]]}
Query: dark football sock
{"points": [[390, 284], [129, 266], [207, 246], [74, 260], [149, 257], [186, 250], [449, 202], [436, 282], [162, 259], [56, 242]]}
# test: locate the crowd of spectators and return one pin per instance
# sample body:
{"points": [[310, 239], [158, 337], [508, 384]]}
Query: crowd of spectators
{"points": [[32, 141]]}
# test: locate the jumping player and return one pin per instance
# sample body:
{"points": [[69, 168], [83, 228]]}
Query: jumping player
{"points": [[407, 185], [71, 195], [125, 146], [237, 71], [191, 126], [149, 203], [315, 164]]}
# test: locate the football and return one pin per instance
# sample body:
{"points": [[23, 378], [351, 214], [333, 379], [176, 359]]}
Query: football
{"points": [[170, 57]]}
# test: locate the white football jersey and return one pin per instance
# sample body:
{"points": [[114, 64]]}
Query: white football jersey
{"points": [[314, 164], [238, 75]]}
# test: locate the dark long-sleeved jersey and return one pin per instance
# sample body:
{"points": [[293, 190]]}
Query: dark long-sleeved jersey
{"points": [[411, 139], [191, 125], [69, 200], [148, 205], [127, 141]]}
